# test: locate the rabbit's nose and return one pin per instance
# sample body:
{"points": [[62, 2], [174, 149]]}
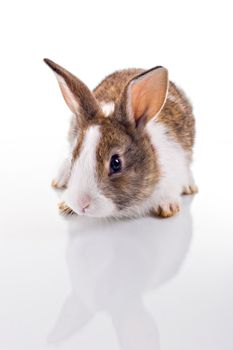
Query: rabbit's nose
{"points": [[84, 202]]}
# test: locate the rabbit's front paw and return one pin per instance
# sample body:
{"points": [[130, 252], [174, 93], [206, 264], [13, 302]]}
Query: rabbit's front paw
{"points": [[60, 181], [65, 210], [58, 185], [190, 189], [166, 209]]}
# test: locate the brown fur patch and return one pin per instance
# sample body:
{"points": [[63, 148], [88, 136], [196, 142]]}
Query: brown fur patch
{"points": [[178, 117], [111, 88], [140, 170], [79, 143]]}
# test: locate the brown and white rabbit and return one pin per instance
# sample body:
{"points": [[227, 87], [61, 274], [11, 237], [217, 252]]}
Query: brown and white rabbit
{"points": [[131, 145]]}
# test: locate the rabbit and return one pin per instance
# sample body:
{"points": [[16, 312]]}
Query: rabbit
{"points": [[131, 142]]}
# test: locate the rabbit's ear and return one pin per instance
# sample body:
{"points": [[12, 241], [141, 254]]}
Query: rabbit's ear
{"points": [[145, 95], [75, 92]]}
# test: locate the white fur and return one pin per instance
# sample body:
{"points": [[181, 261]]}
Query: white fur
{"points": [[63, 174], [107, 108], [173, 162], [83, 179]]}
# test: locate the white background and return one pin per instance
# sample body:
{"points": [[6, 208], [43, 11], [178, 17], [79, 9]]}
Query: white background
{"points": [[41, 262]]}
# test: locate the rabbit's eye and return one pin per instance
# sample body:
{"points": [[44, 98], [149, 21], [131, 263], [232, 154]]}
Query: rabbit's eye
{"points": [[115, 164]]}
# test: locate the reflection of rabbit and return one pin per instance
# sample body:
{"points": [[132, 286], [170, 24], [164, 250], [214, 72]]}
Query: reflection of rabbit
{"points": [[112, 264]]}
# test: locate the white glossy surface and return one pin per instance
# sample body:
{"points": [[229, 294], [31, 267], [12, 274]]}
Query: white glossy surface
{"points": [[146, 283], [129, 285]]}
